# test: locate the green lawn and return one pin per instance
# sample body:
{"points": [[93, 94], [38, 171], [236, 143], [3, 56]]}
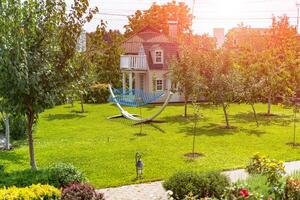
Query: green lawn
{"points": [[105, 149]]}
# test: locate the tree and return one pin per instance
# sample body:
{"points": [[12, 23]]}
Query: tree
{"points": [[37, 40], [246, 62], [187, 68], [158, 17], [223, 81], [183, 71], [82, 77], [277, 72], [103, 51]]}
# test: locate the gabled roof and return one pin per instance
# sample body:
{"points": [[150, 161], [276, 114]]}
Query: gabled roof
{"points": [[170, 51], [146, 34], [150, 39]]}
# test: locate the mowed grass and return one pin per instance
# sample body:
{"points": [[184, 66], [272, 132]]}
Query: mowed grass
{"points": [[105, 149]]}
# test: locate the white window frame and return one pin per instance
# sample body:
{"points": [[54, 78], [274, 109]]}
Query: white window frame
{"points": [[162, 85], [162, 56]]}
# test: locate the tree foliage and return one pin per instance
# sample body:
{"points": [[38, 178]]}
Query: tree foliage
{"points": [[37, 40], [158, 17]]}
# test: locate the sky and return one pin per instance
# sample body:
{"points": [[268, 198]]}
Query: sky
{"points": [[208, 14]]}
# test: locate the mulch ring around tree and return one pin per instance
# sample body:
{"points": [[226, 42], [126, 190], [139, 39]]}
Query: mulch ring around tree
{"points": [[194, 155], [293, 144]]}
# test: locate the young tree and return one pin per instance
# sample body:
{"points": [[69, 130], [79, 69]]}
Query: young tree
{"points": [[245, 60], [183, 71], [82, 77], [275, 62], [223, 81], [37, 40]]}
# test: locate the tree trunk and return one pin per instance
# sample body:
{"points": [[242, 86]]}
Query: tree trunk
{"points": [[81, 102], [225, 114], [185, 105], [194, 137], [269, 105], [255, 115], [30, 121], [7, 130], [295, 118]]}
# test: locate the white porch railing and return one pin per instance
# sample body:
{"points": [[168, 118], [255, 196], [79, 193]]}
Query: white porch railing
{"points": [[133, 62]]}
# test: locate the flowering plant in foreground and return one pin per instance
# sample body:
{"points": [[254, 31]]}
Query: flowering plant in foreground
{"points": [[244, 192]]}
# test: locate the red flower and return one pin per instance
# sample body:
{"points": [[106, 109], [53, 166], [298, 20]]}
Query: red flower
{"points": [[244, 192]]}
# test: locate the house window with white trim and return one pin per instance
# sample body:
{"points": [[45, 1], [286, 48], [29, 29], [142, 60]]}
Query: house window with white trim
{"points": [[159, 85], [159, 57]]}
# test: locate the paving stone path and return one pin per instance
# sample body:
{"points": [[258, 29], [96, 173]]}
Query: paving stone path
{"points": [[155, 190]]}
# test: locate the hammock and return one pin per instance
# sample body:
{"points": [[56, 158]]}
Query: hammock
{"points": [[135, 97], [131, 98]]}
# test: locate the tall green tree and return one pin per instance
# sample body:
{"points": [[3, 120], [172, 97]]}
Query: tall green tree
{"points": [[37, 40], [158, 17], [278, 69], [223, 81], [104, 51]]}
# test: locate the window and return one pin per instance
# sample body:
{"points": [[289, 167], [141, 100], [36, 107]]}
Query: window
{"points": [[158, 57], [159, 85]]}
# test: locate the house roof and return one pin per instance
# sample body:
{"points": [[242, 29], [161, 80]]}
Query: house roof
{"points": [[150, 39], [146, 34], [170, 50]]}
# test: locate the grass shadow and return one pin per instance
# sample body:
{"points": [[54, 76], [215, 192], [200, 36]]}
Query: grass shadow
{"points": [[11, 156], [24, 178], [263, 120], [213, 129], [52, 117]]}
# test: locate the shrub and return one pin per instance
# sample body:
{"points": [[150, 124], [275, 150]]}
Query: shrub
{"points": [[96, 95], [203, 185], [2, 167], [292, 189], [24, 178], [80, 191], [45, 192], [183, 183], [57, 175], [62, 174], [272, 169], [240, 191], [17, 125]]}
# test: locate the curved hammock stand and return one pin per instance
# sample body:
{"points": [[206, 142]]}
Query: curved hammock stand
{"points": [[134, 117]]}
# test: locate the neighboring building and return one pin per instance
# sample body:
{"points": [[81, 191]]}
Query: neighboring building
{"points": [[247, 37], [145, 64], [219, 35]]}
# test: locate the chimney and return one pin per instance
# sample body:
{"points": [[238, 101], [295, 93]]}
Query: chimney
{"points": [[173, 30], [219, 34]]}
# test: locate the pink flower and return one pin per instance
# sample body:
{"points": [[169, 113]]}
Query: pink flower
{"points": [[244, 192]]}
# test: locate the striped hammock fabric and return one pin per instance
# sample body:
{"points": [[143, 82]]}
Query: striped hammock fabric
{"points": [[135, 97]]}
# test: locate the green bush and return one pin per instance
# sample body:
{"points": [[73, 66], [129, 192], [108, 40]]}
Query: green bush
{"points": [[45, 192], [96, 95], [57, 175], [272, 169], [17, 125], [62, 174], [80, 191], [211, 184], [24, 178]]}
